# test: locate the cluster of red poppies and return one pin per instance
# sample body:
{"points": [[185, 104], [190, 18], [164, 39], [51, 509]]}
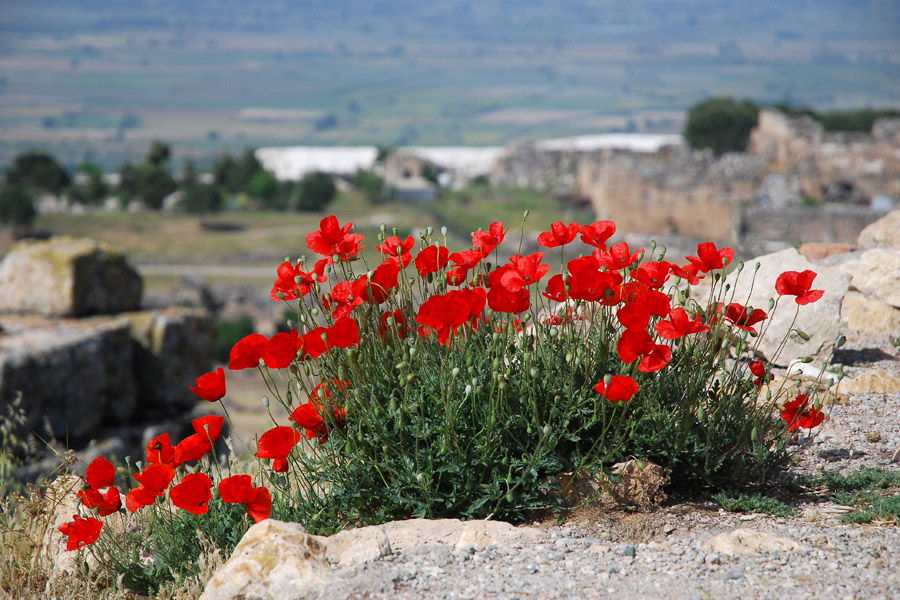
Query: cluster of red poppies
{"points": [[614, 277]]}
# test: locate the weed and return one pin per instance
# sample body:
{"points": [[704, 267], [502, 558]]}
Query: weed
{"points": [[753, 503]]}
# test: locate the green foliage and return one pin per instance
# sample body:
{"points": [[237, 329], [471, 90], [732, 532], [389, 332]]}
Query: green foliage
{"points": [[315, 191], [159, 154], [753, 503], [152, 184], [228, 332], [16, 206], [201, 198], [867, 489], [13, 446], [874, 507], [95, 190], [369, 185], [37, 170], [863, 479], [235, 174], [860, 120], [721, 124], [264, 186]]}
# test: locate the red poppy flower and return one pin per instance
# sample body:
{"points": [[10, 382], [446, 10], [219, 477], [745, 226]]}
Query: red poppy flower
{"points": [[106, 503], [652, 274], [294, 283], [744, 317], [679, 325], [314, 342], [796, 414], [210, 386], [343, 334], [486, 241], [758, 368], [633, 315], [393, 246], [81, 532], [792, 283], [154, 480], [238, 489], [384, 279], [193, 493], [447, 313], [467, 259], [100, 473], [346, 296], [656, 359], [621, 388], [193, 447], [617, 257], [432, 259], [710, 258], [634, 343], [281, 349], [560, 234], [309, 418], [457, 276], [596, 286], [247, 353], [210, 426], [653, 301], [525, 271], [276, 444], [596, 234], [688, 272], [160, 450], [556, 289], [401, 325], [501, 299], [332, 239]]}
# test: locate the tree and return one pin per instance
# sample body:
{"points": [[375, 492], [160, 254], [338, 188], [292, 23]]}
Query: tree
{"points": [[159, 154], [263, 186], [721, 124], [369, 185], [201, 198], [17, 206], [38, 170], [94, 190], [315, 191], [153, 184]]}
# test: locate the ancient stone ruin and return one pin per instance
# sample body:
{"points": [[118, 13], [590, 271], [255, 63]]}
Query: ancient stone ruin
{"points": [[89, 365]]}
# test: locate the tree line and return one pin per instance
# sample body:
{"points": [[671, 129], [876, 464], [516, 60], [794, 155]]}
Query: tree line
{"points": [[151, 182]]}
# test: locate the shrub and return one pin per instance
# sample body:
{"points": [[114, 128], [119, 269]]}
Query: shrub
{"points": [[443, 386], [315, 191], [201, 198], [228, 333], [38, 170], [16, 206], [721, 124]]}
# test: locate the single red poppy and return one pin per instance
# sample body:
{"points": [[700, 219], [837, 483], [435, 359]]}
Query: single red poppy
{"points": [[276, 444], [394, 246], [556, 289], [100, 473], [193, 447], [467, 259], [710, 258], [596, 234], [593, 285], [634, 343], [346, 296], [679, 325], [793, 283], [154, 480], [688, 272], [487, 241], [247, 352], [384, 279], [333, 240], [432, 259], [618, 257], [525, 271], [210, 427], [758, 368], [796, 414], [445, 313], [81, 532], [160, 450], [621, 388], [281, 349], [652, 274], [501, 299], [744, 317], [560, 234], [106, 503], [309, 418], [457, 276], [344, 333], [294, 283], [193, 493], [656, 359], [348, 248], [238, 489], [210, 386], [633, 315]]}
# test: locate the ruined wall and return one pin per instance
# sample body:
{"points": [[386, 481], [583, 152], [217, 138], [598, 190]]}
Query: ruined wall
{"points": [[674, 191], [840, 223], [815, 160]]}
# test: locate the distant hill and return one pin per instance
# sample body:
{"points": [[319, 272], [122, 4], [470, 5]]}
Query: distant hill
{"points": [[99, 79]]}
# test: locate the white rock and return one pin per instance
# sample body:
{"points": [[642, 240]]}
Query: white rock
{"points": [[744, 542], [883, 233], [877, 275]]}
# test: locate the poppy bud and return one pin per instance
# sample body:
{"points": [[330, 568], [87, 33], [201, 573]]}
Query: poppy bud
{"points": [[280, 295], [420, 477], [841, 341], [315, 311], [383, 228], [412, 352], [429, 230], [607, 379], [525, 216], [399, 367], [802, 335], [454, 372], [547, 430], [701, 414], [502, 385], [740, 266], [569, 357], [468, 389], [754, 434]]}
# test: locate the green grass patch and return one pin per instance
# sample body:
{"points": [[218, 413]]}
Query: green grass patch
{"points": [[753, 503], [868, 490], [863, 479]]}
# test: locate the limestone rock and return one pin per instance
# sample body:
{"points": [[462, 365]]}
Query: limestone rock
{"points": [[67, 277], [745, 542], [877, 275], [76, 374], [820, 250], [875, 381], [172, 347], [353, 547], [273, 561], [821, 319], [419, 532], [474, 538], [869, 316], [883, 233]]}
